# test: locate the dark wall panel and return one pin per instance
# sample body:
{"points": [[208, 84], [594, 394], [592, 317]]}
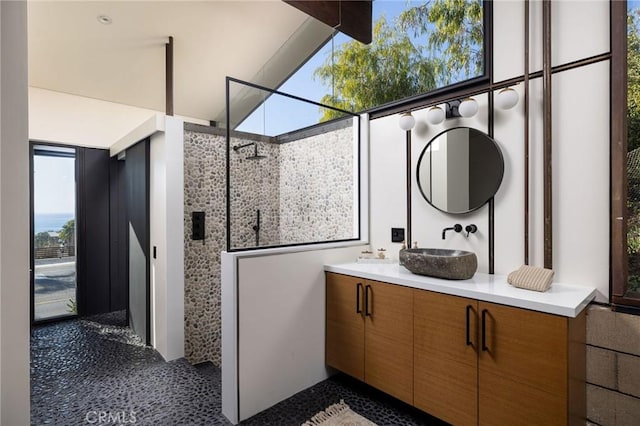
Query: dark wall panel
{"points": [[93, 231], [137, 177], [119, 236]]}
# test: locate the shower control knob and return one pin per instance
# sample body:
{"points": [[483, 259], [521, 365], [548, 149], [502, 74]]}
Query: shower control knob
{"points": [[471, 229]]}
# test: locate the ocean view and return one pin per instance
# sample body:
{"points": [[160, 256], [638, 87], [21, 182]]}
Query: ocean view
{"points": [[50, 221]]}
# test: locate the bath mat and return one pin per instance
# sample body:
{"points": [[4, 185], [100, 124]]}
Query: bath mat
{"points": [[338, 415]]}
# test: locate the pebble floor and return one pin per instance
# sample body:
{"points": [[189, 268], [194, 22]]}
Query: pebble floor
{"points": [[84, 369]]}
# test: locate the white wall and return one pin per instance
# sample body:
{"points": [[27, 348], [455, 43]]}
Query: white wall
{"points": [[167, 268], [428, 222], [578, 29], [175, 237], [158, 239], [581, 176], [509, 200], [581, 138], [14, 216], [280, 299], [388, 188], [580, 154], [387, 181]]}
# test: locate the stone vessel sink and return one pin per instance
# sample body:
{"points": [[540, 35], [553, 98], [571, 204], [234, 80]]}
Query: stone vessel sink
{"points": [[440, 263]]}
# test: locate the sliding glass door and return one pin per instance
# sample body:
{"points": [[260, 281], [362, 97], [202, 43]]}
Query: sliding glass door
{"points": [[53, 201]]}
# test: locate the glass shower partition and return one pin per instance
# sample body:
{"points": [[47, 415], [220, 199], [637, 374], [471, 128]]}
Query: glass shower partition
{"points": [[292, 170]]}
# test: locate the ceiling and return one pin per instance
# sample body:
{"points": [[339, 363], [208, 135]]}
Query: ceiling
{"points": [[124, 62]]}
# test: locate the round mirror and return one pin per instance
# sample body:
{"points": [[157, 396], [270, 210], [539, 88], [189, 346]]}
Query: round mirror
{"points": [[460, 170]]}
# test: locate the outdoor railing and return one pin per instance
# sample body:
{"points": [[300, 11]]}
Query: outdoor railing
{"points": [[54, 252]]}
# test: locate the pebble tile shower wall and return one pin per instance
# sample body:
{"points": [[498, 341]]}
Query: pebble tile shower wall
{"points": [[303, 189]]}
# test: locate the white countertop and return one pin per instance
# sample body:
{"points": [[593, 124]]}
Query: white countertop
{"points": [[561, 299]]}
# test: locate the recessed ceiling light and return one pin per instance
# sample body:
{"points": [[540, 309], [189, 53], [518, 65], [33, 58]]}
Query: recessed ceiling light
{"points": [[105, 19]]}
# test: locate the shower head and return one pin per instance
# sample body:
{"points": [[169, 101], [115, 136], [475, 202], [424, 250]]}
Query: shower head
{"points": [[255, 155]]}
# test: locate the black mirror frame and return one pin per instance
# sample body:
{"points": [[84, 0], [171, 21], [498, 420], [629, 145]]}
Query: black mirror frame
{"points": [[424, 150]]}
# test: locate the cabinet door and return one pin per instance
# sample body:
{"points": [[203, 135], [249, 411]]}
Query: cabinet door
{"points": [[445, 357], [389, 339], [345, 325], [522, 367]]}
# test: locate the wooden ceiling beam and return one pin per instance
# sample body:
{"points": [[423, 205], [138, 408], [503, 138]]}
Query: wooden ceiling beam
{"points": [[353, 18]]}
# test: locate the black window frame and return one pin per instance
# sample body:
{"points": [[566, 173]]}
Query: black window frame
{"points": [[619, 259]]}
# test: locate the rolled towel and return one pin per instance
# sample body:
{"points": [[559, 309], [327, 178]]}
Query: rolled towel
{"points": [[531, 278]]}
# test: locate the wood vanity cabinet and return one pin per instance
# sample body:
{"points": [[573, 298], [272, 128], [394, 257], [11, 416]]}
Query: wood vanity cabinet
{"points": [[464, 361], [484, 363], [531, 368], [344, 346], [445, 357], [369, 333]]}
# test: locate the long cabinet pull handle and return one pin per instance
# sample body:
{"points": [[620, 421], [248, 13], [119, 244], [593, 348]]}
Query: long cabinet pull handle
{"points": [[469, 342], [358, 290], [484, 330], [367, 312]]}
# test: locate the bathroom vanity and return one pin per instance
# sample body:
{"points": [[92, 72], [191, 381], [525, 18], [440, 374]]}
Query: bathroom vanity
{"points": [[476, 351]]}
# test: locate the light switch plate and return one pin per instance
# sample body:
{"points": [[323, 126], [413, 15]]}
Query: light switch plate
{"points": [[397, 235]]}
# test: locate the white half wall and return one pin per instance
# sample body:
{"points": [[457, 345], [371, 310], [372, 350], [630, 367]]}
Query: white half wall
{"points": [[167, 245], [14, 216], [276, 347]]}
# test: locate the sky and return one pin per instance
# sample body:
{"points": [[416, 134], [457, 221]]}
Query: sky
{"points": [[281, 115], [54, 185]]}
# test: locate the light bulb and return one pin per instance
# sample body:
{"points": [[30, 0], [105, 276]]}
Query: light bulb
{"points": [[435, 115], [507, 98], [468, 107], [406, 121]]}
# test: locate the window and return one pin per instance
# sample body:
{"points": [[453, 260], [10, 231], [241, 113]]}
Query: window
{"points": [[418, 46], [54, 232], [625, 153]]}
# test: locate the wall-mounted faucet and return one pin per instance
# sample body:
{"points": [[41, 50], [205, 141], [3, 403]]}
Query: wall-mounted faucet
{"points": [[457, 227], [471, 229]]}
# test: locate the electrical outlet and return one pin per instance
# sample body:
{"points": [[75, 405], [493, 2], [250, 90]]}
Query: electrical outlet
{"points": [[397, 235]]}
